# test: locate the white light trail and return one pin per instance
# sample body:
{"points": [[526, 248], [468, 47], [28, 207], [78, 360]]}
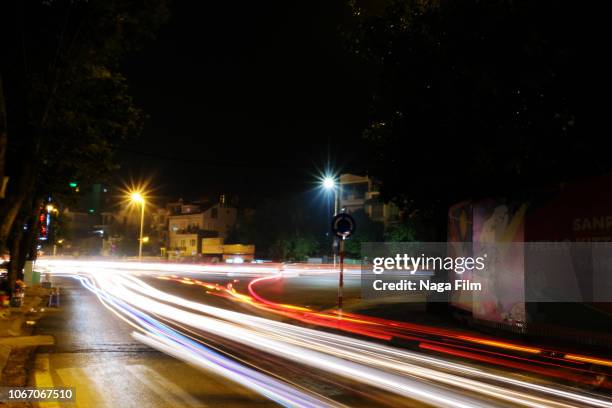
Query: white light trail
{"points": [[412, 375]]}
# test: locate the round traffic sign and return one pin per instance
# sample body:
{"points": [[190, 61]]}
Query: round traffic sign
{"points": [[343, 225]]}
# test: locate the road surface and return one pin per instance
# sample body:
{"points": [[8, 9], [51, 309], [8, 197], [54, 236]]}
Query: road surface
{"points": [[96, 352], [252, 347]]}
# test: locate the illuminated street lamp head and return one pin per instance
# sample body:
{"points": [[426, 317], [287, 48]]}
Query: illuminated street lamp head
{"points": [[137, 197], [328, 183]]}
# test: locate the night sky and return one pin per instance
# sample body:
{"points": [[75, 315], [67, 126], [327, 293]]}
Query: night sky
{"points": [[250, 98]]}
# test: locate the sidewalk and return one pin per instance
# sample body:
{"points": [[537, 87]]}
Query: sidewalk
{"points": [[17, 344]]}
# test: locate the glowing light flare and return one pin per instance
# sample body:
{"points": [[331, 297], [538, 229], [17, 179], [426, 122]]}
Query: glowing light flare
{"points": [[137, 197], [329, 183]]}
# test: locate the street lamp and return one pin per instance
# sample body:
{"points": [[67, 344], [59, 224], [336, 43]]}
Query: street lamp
{"points": [[138, 198], [330, 184]]}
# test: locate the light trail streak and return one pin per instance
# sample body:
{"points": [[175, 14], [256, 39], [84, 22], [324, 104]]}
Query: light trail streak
{"points": [[275, 344], [391, 328], [163, 338], [412, 375], [315, 340], [383, 329]]}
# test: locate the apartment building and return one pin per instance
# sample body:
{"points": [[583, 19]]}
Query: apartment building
{"points": [[188, 223], [363, 193]]}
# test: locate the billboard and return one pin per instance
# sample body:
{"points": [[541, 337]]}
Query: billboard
{"points": [[503, 297], [459, 244], [577, 212]]}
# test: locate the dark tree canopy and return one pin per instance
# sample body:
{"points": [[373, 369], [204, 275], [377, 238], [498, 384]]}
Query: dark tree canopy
{"points": [[64, 103], [480, 98], [281, 229]]}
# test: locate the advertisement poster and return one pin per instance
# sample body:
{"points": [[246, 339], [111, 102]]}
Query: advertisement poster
{"points": [[460, 244], [497, 223]]}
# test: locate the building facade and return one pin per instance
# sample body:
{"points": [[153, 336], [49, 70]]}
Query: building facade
{"points": [[189, 223], [363, 193]]}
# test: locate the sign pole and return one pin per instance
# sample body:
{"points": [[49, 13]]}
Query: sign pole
{"points": [[341, 276], [335, 213], [343, 226]]}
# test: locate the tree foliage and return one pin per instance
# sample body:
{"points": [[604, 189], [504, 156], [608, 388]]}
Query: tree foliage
{"points": [[67, 103], [293, 247], [282, 229], [478, 98], [366, 230]]}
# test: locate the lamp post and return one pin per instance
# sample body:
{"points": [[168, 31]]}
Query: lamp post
{"points": [[330, 184], [137, 197]]}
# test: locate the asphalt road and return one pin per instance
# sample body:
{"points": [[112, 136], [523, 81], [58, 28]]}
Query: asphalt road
{"points": [[276, 339], [95, 352]]}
